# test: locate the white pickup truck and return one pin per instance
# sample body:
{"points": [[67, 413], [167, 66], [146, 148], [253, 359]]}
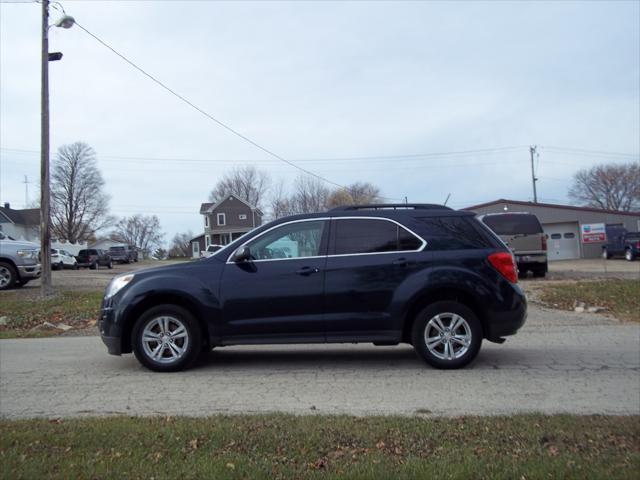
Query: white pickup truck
{"points": [[19, 262]]}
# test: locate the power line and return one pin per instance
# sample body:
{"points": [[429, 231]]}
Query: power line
{"points": [[368, 159], [203, 112], [586, 152]]}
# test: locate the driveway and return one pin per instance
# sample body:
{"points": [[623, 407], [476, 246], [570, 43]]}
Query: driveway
{"points": [[559, 362]]}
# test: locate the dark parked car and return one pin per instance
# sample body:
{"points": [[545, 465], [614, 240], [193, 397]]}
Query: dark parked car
{"points": [[621, 243], [94, 258], [421, 274], [123, 253]]}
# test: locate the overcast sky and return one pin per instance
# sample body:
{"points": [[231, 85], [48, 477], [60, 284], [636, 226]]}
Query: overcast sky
{"points": [[325, 80]]}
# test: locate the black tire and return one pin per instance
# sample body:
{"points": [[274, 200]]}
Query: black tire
{"points": [[194, 335], [8, 276], [446, 309], [539, 272], [109, 265], [22, 283], [605, 254], [94, 266], [61, 266], [629, 255], [75, 266]]}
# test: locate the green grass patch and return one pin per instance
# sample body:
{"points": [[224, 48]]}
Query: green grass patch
{"points": [[619, 297], [309, 447], [24, 314]]}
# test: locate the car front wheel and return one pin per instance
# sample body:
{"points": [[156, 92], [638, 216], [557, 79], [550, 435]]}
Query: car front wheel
{"points": [[167, 338], [8, 276], [629, 256], [605, 254], [447, 335]]}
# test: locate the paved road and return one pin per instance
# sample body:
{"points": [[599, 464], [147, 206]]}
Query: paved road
{"points": [[559, 362]]}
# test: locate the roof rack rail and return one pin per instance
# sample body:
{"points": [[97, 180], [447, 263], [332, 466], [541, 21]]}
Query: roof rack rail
{"points": [[392, 206]]}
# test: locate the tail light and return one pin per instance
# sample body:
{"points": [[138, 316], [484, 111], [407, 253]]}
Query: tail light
{"points": [[505, 263], [544, 243]]}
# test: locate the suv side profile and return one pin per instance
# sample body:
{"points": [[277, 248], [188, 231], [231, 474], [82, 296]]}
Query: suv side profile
{"points": [[421, 274], [94, 258], [523, 234], [621, 242]]}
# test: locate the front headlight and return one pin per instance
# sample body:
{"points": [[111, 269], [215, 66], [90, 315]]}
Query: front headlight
{"points": [[118, 284], [33, 254]]}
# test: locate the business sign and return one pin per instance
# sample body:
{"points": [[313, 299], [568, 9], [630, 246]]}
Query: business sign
{"points": [[593, 233]]}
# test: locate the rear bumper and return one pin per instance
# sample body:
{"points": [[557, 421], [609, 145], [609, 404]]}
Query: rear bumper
{"points": [[505, 323], [533, 258]]}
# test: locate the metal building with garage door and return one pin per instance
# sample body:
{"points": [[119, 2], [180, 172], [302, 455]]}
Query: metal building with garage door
{"points": [[569, 229]]}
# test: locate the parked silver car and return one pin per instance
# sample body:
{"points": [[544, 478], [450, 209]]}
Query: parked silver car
{"points": [[19, 262]]}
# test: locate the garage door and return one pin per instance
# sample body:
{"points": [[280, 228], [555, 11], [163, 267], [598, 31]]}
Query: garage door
{"points": [[563, 241]]}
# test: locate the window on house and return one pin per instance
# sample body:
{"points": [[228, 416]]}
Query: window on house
{"points": [[207, 240], [222, 219], [206, 220], [242, 216]]}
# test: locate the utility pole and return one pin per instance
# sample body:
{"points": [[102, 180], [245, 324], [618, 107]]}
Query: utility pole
{"points": [[26, 191], [45, 233], [532, 150]]}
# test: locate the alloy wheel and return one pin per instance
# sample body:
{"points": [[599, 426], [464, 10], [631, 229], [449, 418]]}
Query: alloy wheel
{"points": [[448, 336], [5, 277], [165, 340]]}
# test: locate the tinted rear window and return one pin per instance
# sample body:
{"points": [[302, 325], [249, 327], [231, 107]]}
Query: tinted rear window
{"points": [[372, 236], [116, 249], [88, 252], [513, 224], [452, 233]]}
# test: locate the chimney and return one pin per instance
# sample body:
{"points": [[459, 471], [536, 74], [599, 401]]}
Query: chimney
{"points": [[7, 205]]}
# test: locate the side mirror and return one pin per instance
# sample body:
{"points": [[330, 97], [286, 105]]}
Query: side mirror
{"points": [[243, 254]]}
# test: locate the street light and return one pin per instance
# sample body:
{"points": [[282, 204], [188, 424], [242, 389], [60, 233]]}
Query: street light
{"points": [[65, 21]]}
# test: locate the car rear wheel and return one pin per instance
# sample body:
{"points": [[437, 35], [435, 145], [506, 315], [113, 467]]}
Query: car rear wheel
{"points": [[167, 338], [110, 265], [447, 335], [629, 256], [8, 276], [94, 266], [605, 254]]}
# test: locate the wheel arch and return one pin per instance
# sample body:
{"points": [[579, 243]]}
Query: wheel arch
{"points": [[160, 298], [436, 295]]}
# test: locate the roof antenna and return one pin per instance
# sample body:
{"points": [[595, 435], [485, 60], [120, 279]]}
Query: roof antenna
{"points": [[445, 202]]}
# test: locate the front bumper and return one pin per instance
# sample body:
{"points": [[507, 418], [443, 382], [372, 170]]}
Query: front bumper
{"points": [[29, 271], [114, 344]]}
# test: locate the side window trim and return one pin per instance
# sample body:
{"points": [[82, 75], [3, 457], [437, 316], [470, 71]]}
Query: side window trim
{"points": [[332, 243], [323, 241]]}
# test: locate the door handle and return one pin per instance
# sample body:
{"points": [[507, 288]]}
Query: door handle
{"points": [[401, 262], [306, 271]]}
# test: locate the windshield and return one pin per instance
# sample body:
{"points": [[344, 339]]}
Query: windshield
{"points": [[513, 224]]}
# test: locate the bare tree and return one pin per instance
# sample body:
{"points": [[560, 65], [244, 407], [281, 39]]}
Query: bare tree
{"points": [[143, 231], [181, 244], [363, 193], [79, 205], [309, 195], [609, 186], [279, 201], [247, 183], [339, 197]]}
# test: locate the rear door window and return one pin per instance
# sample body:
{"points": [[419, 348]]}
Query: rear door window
{"points": [[357, 236], [513, 224], [452, 233]]}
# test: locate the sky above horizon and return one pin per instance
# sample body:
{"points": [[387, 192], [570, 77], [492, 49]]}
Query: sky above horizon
{"points": [[383, 92]]}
